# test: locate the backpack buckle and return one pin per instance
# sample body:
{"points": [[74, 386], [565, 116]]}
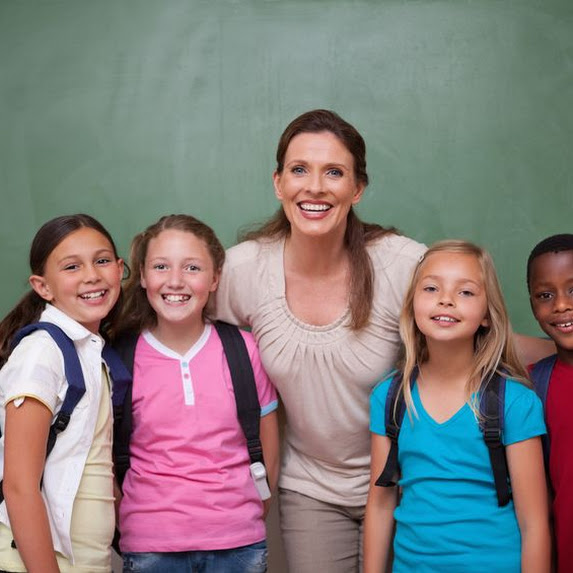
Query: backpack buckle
{"points": [[259, 475], [122, 459], [392, 432], [255, 447], [61, 423], [492, 436]]}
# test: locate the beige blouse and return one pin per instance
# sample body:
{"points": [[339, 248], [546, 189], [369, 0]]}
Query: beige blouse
{"points": [[324, 374]]}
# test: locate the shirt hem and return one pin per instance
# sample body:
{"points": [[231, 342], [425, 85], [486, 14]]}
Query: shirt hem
{"points": [[22, 397], [342, 501], [142, 547]]}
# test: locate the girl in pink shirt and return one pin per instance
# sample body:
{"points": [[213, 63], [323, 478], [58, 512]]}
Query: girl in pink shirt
{"points": [[189, 501]]}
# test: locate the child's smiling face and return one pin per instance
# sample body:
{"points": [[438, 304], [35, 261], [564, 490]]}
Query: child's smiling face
{"points": [[82, 277], [179, 276], [450, 302], [551, 296]]}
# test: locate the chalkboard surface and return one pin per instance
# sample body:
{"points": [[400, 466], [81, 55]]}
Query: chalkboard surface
{"points": [[129, 109]]}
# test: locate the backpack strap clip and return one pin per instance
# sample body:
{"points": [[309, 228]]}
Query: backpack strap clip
{"points": [[255, 450], [492, 436], [393, 431], [61, 423]]}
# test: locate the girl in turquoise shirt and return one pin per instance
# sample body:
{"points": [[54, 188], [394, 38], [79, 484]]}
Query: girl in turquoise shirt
{"points": [[456, 335]]}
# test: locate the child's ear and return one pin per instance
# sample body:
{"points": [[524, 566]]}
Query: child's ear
{"points": [[142, 280], [215, 284], [41, 287], [485, 322], [122, 268]]}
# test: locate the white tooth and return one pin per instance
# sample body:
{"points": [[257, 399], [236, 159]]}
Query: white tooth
{"points": [[313, 207], [176, 297], [92, 295], [445, 319]]}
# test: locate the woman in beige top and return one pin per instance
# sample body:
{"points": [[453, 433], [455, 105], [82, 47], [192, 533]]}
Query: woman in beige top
{"points": [[321, 291]]}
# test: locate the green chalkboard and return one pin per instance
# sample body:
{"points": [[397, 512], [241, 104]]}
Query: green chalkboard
{"points": [[129, 109]]}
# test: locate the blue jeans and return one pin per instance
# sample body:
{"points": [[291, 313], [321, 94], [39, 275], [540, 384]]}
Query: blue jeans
{"points": [[247, 559]]}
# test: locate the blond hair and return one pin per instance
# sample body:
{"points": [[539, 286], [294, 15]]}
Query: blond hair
{"points": [[494, 349]]}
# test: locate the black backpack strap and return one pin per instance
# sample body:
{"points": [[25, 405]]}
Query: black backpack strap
{"points": [[73, 373], [120, 360], [124, 347], [492, 403], [540, 376], [246, 397], [394, 410]]}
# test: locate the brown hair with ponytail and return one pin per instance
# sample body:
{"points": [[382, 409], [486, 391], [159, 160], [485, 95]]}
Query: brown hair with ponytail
{"points": [[31, 305]]}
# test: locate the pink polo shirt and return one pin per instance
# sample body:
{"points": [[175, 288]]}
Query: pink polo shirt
{"points": [[189, 486]]}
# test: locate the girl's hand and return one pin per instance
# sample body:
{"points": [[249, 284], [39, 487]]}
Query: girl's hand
{"points": [[379, 520], [532, 349], [25, 439], [529, 487]]}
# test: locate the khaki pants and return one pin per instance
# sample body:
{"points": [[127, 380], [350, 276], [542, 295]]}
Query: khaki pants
{"points": [[320, 537]]}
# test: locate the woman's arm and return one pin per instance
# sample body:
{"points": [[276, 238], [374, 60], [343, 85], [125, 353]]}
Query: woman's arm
{"points": [[25, 439], [529, 487], [379, 520], [269, 432], [530, 349], [241, 289]]}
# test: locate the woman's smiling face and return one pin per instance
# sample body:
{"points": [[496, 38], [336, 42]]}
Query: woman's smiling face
{"points": [[317, 186]]}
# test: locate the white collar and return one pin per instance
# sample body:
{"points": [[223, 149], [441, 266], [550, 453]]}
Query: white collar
{"points": [[72, 328]]}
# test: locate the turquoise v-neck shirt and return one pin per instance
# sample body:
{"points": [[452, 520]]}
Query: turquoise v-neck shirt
{"points": [[448, 519]]}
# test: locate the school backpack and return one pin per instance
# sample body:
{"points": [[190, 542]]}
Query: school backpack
{"points": [[491, 408], [541, 375], [246, 399], [76, 384]]}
